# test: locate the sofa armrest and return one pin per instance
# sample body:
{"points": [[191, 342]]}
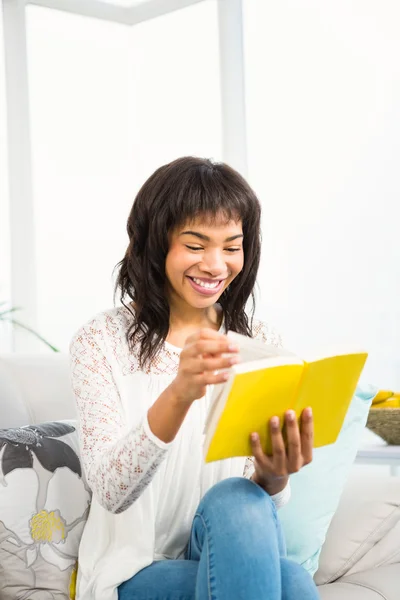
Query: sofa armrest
{"points": [[35, 388], [365, 531]]}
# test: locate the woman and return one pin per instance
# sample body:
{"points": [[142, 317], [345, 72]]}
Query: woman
{"points": [[163, 525]]}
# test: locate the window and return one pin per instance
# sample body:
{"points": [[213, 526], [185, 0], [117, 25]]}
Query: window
{"points": [[109, 104], [5, 338]]}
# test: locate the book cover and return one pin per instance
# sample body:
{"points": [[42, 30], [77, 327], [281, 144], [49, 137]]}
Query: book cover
{"points": [[269, 381]]}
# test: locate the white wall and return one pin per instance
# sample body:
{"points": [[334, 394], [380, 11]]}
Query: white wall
{"points": [[323, 83]]}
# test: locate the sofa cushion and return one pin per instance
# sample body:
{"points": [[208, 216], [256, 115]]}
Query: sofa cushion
{"points": [[35, 388], [348, 591], [316, 489], [382, 583], [365, 530], [44, 503]]}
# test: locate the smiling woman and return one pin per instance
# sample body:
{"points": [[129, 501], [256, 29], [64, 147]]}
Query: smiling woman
{"points": [[194, 224], [142, 376]]}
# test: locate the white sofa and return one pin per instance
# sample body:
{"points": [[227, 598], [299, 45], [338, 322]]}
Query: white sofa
{"points": [[360, 559]]}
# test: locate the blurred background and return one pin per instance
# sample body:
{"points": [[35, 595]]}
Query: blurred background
{"points": [[303, 98]]}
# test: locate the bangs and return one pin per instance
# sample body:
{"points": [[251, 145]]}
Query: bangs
{"points": [[211, 196], [219, 218]]}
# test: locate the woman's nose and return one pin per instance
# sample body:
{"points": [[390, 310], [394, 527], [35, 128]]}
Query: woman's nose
{"points": [[214, 263]]}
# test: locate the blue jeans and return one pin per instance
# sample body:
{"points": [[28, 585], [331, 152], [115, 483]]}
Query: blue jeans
{"points": [[236, 551]]}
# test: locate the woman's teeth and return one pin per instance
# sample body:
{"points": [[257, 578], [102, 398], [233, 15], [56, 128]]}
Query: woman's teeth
{"points": [[209, 286]]}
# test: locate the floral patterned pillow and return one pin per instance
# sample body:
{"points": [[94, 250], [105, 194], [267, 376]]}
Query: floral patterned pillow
{"points": [[44, 504]]}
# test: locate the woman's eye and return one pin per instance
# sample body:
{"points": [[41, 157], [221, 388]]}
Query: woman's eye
{"points": [[200, 248]]}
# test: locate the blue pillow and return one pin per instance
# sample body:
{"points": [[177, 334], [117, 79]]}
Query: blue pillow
{"points": [[316, 489]]}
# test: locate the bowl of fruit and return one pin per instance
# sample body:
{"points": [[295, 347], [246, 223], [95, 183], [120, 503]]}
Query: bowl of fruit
{"points": [[384, 416]]}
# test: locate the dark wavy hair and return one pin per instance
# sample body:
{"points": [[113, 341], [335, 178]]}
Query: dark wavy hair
{"points": [[176, 194]]}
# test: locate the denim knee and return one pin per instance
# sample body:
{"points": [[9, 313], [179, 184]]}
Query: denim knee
{"points": [[236, 510], [296, 582], [235, 495]]}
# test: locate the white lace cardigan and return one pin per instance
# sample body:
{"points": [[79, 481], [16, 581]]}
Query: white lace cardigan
{"points": [[145, 492]]}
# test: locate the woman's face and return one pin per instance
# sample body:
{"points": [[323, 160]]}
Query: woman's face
{"points": [[203, 259]]}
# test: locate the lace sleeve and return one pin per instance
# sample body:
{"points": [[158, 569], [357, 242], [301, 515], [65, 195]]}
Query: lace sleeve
{"points": [[262, 331], [248, 467], [118, 464]]}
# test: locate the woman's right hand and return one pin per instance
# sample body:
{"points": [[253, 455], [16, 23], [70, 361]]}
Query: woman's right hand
{"points": [[201, 356]]}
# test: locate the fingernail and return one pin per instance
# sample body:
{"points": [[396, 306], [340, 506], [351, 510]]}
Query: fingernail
{"points": [[233, 348], [234, 360], [290, 415], [309, 411], [254, 437], [275, 422]]}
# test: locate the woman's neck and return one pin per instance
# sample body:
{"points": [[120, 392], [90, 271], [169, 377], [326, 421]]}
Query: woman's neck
{"points": [[184, 324]]}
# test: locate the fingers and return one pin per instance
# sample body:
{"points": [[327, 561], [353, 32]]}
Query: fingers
{"points": [[216, 346], [211, 378], [278, 447], [307, 435], [200, 365], [274, 465], [208, 350], [257, 451], [206, 334], [287, 457], [294, 449], [204, 361]]}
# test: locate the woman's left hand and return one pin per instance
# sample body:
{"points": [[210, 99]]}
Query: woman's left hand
{"points": [[272, 472]]}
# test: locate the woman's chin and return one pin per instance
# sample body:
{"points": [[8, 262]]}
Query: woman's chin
{"points": [[206, 303], [202, 302]]}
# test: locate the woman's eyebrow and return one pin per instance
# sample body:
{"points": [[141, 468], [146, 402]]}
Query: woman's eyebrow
{"points": [[207, 239]]}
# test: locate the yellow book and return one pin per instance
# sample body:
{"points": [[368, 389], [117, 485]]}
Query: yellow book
{"points": [[267, 382]]}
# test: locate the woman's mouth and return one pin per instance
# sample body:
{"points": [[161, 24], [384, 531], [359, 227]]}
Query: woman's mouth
{"points": [[206, 287]]}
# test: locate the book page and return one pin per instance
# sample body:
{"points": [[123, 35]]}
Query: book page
{"points": [[217, 391], [330, 350], [251, 349]]}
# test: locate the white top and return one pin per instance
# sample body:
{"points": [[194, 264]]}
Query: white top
{"points": [[145, 492]]}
